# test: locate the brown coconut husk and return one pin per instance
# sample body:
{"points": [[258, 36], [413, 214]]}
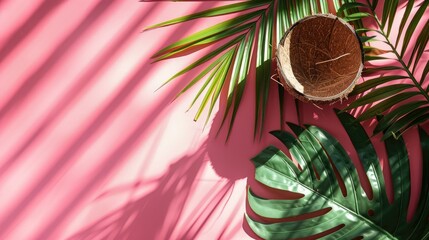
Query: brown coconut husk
{"points": [[320, 59]]}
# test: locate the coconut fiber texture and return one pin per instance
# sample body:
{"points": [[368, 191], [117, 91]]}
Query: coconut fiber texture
{"points": [[320, 59]]}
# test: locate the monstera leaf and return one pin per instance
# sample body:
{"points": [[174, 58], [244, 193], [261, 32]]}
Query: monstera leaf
{"points": [[333, 201], [408, 91], [244, 41]]}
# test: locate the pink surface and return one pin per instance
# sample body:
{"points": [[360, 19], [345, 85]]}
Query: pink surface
{"points": [[89, 150]]}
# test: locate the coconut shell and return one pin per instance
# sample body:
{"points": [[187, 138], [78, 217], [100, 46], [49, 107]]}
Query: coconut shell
{"points": [[320, 59]]}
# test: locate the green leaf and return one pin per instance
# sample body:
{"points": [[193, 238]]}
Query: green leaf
{"points": [[392, 13], [220, 82], [424, 74], [273, 170], [384, 105], [374, 50], [419, 48], [343, 164], [387, 120], [374, 58], [400, 169], [206, 41], [421, 119], [215, 80], [256, 24], [324, 5], [412, 26], [205, 58], [280, 21], [281, 92], [379, 94], [418, 225], [356, 16], [365, 86], [365, 30], [242, 78], [404, 122], [350, 5], [374, 4], [207, 82], [222, 10], [407, 12], [368, 158], [389, 11], [308, 175], [263, 71], [234, 78], [411, 20], [218, 31], [272, 158], [282, 208], [314, 213], [338, 218], [327, 182], [201, 75], [380, 69], [385, 13]]}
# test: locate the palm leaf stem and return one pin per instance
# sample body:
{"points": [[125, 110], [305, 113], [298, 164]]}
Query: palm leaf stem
{"points": [[399, 58]]}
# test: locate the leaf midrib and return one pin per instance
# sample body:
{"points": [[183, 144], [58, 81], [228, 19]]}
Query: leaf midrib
{"points": [[399, 58], [331, 200]]}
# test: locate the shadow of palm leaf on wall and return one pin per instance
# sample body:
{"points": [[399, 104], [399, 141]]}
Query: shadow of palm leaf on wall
{"points": [[159, 213]]}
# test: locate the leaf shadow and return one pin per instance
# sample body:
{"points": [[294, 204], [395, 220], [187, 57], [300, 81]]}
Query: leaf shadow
{"points": [[156, 214]]}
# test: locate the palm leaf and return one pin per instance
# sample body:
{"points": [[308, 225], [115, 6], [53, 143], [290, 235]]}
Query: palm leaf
{"points": [[403, 107], [252, 34], [324, 209]]}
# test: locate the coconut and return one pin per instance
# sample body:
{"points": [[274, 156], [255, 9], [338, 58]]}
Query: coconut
{"points": [[320, 59]]}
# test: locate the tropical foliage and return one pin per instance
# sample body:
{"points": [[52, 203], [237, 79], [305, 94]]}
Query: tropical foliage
{"points": [[246, 40], [333, 201], [407, 92]]}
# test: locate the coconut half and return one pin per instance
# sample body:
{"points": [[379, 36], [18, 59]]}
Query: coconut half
{"points": [[320, 58]]}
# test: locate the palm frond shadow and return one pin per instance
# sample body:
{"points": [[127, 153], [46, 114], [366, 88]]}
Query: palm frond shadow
{"points": [[143, 214], [159, 214], [229, 158], [328, 180], [83, 81], [30, 24], [67, 154]]}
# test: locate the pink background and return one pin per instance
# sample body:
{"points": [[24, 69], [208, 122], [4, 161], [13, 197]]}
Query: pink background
{"points": [[89, 149]]}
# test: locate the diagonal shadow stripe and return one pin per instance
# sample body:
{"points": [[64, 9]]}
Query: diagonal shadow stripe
{"points": [[65, 159], [37, 76], [81, 84], [28, 26], [172, 192]]}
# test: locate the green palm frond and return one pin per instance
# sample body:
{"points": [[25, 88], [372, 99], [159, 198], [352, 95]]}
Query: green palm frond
{"points": [[244, 41], [407, 92], [326, 208]]}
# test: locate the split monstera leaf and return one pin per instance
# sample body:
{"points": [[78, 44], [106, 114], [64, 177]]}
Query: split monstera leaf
{"points": [[345, 213], [398, 95]]}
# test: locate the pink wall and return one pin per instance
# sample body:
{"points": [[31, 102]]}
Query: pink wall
{"points": [[89, 150]]}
